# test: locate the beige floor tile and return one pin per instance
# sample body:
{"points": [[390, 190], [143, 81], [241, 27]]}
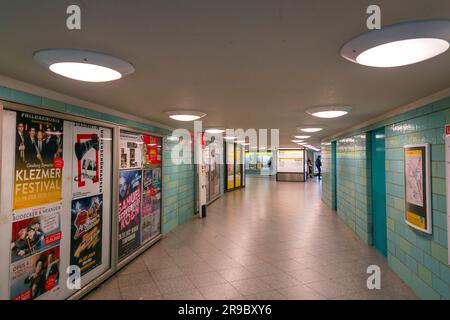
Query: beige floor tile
{"points": [[220, 292], [207, 279], [250, 286], [140, 292], [174, 285], [134, 279]]}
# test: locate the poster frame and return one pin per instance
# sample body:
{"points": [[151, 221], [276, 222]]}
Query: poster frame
{"points": [[144, 246], [447, 182], [427, 185], [19, 107]]}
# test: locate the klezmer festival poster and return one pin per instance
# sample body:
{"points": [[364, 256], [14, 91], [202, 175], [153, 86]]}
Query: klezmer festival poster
{"points": [[38, 160], [129, 211]]}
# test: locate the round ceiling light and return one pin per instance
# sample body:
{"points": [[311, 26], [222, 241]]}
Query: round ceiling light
{"points": [[329, 112], [311, 130], [302, 137], [83, 65], [214, 130], [399, 44], [185, 115], [297, 141]]}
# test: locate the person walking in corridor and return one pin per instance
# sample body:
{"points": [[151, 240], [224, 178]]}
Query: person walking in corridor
{"points": [[319, 166], [310, 168]]}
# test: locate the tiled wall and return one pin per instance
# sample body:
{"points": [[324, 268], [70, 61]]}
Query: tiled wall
{"points": [[178, 193], [353, 197], [420, 260], [327, 177], [179, 187]]}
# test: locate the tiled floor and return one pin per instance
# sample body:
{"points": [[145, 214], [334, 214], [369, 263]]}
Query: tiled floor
{"points": [[271, 240]]}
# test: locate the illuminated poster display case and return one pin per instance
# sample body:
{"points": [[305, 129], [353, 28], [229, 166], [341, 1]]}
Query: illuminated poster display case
{"points": [[140, 192], [291, 164], [75, 194], [56, 206]]}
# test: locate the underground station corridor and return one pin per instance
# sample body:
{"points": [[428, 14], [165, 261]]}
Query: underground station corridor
{"points": [[226, 158], [257, 244]]}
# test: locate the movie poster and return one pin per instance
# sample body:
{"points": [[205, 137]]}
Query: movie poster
{"points": [[152, 150], [129, 211], [86, 233], [38, 160], [417, 187], [130, 150], [151, 204], [35, 275], [88, 154], [34, 230]]}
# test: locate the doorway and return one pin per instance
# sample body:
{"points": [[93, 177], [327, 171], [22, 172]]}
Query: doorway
{"points": [[378, 165]]}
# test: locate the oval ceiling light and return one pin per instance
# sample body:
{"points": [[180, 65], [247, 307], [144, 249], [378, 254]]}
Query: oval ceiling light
{"points": [[83, 65], [310, 130], [302, 137], [399, 44], [214, 130], [329, 112], [297, 141], [185, 115]]}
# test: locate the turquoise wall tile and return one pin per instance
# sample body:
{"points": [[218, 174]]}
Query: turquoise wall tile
{"points": [[421, 260], [26, 98]]}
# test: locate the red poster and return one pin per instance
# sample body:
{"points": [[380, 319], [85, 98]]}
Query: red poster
{"points": [[152, 149]]}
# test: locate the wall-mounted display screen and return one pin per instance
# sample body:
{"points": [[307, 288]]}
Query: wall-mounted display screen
{"points": [[55, 204]]}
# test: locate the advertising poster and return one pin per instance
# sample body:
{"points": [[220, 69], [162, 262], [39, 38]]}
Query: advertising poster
{"points": [[291, 160], [447, 179], [152, 151], [238, 161], [38, 160], [35, 230], [86, 233], [88, 153], [36, 275], [230, 165], [151, 204], [417, 182], [130, 150], [129, 211]]}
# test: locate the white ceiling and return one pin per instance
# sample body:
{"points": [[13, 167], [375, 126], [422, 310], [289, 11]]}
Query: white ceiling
{"points": [[247, 64]]}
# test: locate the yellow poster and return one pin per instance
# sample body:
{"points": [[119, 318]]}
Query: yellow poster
{"points": [[38, 160]]}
